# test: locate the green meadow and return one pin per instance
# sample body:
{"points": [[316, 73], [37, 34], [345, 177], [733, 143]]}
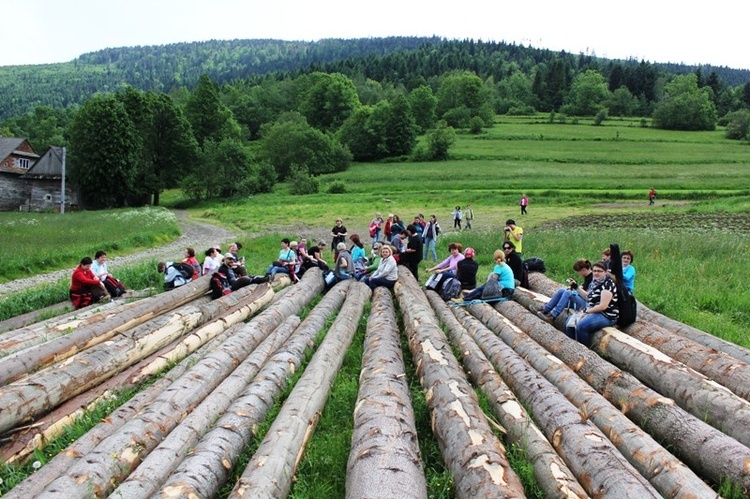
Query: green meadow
{"points": [[587, 186]]}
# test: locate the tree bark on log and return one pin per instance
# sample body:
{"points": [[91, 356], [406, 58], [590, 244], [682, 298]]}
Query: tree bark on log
{"points": [[552, 475], [543, 284], [39, 332], [706, 399], [45, 389], [269, 472], [18, 364], [116, 456], [33, 485], [474, 455], [150, 475], [666, 473], [692, 391], [207, 467], [709, 452], [384, 455]]}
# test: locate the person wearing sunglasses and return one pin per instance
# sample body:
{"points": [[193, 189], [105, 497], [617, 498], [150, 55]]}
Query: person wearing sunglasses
{"points": [[515, 262], [601, 307]]}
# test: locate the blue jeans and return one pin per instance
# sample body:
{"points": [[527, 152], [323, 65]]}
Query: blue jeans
{"points": [[273, 270], [562, 299], [374, 282], [429, 247], [476, 294], [588, 325]]}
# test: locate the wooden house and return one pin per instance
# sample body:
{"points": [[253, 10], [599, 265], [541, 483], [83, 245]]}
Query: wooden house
{"points": [[30, 182]]}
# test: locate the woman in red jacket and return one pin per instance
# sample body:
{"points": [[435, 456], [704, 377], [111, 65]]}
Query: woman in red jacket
{"points": [[85, 288]]}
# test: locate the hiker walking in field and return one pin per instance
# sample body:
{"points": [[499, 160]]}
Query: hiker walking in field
{"points": [[651, 196], [457, 216], [469, 216], [524, 204]]}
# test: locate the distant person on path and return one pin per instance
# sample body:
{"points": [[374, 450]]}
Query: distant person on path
{"points": [[85, 288], [469, 216], [524, 204], [338, 234], [514, 234], [651, 196], [376, 227], [457, 216]]}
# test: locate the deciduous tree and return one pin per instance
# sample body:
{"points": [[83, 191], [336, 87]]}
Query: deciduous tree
{"points": [[685, 106]]}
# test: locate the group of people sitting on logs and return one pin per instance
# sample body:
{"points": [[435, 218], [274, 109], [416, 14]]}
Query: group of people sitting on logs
{"points": [[91, 282]]}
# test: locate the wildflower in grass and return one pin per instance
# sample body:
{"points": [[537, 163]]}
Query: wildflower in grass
{"points": [[36, 465]]}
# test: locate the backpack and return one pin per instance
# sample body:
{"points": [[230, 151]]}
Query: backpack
{"points": [[219, 285], [492, 289], [535, 264], [451, 289], [185, 269], [114, 286], [626, 302], [434, 283]]}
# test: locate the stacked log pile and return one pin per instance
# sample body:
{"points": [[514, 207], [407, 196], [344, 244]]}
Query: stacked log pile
{"points": [[655, 409]]}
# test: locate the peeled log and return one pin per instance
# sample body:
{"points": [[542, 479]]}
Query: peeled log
{"points": [[552, 475], [665, 472], [34, 484], [692, 391], [269, 472], [46, 389], [710, 453], [207, 467], [384, 455], [30, 359], [149, 476], [474, 455], [542, 284], [116, 456]]}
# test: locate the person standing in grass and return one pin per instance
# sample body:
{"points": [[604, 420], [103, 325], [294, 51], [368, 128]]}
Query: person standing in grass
{"points": [[524, 204], [651, 196], [457, 216], [469, 216], [429, 236], [338, 234], [413, 252], [514, 234]]}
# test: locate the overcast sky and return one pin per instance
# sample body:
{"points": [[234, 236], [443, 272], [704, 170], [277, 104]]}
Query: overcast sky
{"points": [[47, 31]]}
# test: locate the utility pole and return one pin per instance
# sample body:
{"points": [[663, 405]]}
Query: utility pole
{"points": [[62, 193]]}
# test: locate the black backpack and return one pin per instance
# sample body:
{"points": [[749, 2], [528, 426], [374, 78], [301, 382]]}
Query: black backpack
{"points": [[535, 264], [219, 285], [185, 269], [626, 302]]}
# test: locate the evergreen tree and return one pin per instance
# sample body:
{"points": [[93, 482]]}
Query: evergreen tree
{"points": [[209, 117]]}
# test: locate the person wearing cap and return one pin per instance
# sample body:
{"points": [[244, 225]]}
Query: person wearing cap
{"points": [[466, 270], [514, 234], [237, 281]]}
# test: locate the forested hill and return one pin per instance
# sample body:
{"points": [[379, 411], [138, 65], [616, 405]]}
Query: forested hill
{"points": [[167, 67]]}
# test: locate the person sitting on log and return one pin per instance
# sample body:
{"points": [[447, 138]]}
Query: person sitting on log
{"points": [[237, 281], [449, 266], [601, 307], [387, 271], [173, 277], [502, 274], [99, 268], [286, 262], [466, 270], [573, 296], [85, 287], [193, 262]]}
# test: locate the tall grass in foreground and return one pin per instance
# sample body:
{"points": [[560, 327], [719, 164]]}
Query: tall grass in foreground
{"points": [[33, 243]]}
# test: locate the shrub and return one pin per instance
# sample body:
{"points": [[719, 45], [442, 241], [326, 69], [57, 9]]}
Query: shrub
{"points": [[301, 182], [338, 187], [475, 125], [738, 125], [600, 117]]}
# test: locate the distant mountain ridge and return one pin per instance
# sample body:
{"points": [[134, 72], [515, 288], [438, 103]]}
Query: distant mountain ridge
{"points": [[168, 67]]}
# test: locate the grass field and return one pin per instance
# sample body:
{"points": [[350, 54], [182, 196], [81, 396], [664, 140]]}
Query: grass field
{"points": [[588, 187]]}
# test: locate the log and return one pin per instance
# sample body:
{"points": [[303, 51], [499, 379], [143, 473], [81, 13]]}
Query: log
{"points": [[18, 364], [552, 475], [666, 473], [40, 332], [206, 469], [384, 454], [542, 284], [269, 472], [719, 366], [44, 390], [474, 455], [33, 485], [150, 475], [117, 455], [709, 452], [692, 391]]}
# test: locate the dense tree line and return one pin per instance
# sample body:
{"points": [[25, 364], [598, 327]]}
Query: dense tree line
{"points": [[239, 138]]}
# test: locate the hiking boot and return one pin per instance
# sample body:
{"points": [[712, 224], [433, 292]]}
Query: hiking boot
{"points": [[545, 316], [534, 308]]}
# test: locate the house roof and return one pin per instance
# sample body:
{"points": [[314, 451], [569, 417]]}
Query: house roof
{"points": [[49, 165], [8, 145]]}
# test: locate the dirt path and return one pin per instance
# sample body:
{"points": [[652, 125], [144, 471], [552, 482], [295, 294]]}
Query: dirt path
{"points": [[199, 235]]}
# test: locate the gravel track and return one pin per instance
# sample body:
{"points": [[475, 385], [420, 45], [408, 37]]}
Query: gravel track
{"points": [[199, 235]]}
